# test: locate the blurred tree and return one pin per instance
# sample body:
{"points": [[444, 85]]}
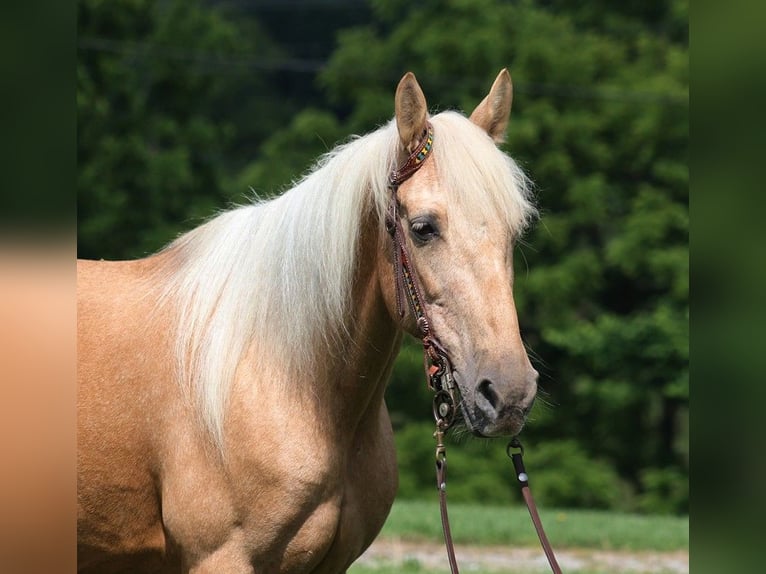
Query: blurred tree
{"points": [[158, 121]]}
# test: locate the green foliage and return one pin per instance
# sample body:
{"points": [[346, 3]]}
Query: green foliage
{"points": [[480, 471], [289, 153], [666, 490], [488, 525], [152, 139], [564, 476]]}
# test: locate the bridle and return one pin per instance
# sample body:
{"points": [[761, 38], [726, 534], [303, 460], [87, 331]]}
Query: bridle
{"points": [[437, 363]]}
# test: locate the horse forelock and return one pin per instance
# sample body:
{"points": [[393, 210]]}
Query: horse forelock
{"points": [[480, 181], [279, 272]]}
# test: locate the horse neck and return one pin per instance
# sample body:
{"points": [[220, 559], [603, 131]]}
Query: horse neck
{"points": [[362, 366]]}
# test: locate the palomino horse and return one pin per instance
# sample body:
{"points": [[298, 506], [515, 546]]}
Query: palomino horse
{"points": [[231, 412]]}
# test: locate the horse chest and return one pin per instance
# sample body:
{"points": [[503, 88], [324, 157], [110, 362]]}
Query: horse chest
{"points": [[344, 513], [370, 484], [339, 530], [290, 507]]}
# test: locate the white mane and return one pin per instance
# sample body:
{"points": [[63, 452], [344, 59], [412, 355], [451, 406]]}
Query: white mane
{"points": [[282, 270]]}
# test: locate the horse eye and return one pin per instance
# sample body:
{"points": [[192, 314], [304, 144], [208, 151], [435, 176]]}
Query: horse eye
{"points": [[423, 230]]}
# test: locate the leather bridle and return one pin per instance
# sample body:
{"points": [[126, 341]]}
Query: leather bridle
{"points": [[437, 363]]}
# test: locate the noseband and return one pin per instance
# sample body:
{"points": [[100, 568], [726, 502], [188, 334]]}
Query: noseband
{"points": [[437, 363]]}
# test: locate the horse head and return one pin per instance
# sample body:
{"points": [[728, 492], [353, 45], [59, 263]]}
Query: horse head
{"points": [[461, 213]]}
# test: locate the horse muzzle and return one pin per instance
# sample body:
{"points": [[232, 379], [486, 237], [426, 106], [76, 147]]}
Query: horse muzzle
{"points": [[494, 410]]}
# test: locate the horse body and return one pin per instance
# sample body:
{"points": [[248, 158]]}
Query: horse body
{"points": [[305, 484], [231, 410]]}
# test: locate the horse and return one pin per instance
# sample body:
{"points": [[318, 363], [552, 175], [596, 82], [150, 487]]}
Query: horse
{"points": [[231, 413]]}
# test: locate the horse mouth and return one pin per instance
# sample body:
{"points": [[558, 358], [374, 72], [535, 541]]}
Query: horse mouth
{"points": [[508, 422], [508, 425]]}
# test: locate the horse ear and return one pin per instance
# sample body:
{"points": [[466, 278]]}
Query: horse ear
{"points": [[493, 112], [411, 111]]}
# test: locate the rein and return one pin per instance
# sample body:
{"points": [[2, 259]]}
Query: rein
{"points": [[436, 359]]}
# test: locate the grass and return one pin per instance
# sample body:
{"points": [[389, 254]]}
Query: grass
{"points": [[473, 524], [488, 525]]}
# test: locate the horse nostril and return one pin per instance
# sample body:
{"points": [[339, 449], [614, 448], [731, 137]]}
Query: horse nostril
{"points": [[485, 389]]}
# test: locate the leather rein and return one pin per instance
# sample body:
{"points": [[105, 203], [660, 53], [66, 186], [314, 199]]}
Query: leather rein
{"points": [[436, 359]]}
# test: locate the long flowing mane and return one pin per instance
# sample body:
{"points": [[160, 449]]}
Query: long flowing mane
{"points": [[282, 270]]}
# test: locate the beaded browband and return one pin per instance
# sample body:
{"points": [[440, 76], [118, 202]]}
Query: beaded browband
{"points": [[416, 158]]}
